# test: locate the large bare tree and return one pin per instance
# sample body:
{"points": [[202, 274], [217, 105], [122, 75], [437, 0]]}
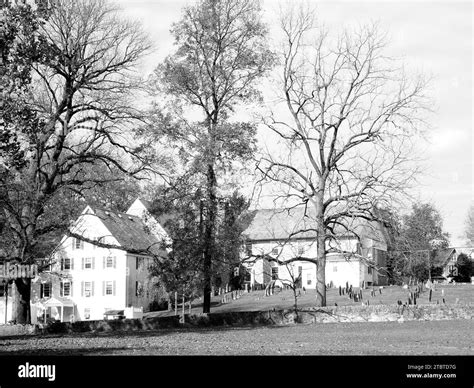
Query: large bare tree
{"points": [[221, 52], [80, 95], [469, 226], [344, 125]]}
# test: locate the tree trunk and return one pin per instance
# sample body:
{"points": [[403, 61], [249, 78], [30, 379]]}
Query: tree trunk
{"points": [[321, 248], [21, 301], [22, 290], [295, 295], [209, 236], [206, 308], [321, 273]]}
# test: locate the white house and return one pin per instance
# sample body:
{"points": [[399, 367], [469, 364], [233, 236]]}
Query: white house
{"points": [[86, 280], [356, 258]]}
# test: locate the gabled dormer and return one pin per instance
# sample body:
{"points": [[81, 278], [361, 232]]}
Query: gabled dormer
{"points": [[140, 208]]}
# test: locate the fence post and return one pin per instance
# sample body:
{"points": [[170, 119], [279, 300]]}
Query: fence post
{"points": [[183, 309], [176, 303]]}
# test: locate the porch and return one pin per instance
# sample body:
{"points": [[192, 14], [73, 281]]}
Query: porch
{"points": [[57, 309]]}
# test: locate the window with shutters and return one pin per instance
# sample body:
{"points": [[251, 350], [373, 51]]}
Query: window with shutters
{"points": [[274, 273], [88, 263], [248, 248], [109, 288], [66, 264], [77, 244], [47, 265], [46, 290], [138, 288], [110, 262], [88, 289], [66, 289]]}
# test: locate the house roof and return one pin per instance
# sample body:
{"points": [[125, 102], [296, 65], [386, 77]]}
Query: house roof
{"points": [[146, 203], [130, 231], [278, 224], [298, 223], [442, 256], [161, 218]]}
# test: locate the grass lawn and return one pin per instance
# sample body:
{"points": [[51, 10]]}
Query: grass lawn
{"points": [[453, 337], [446, 337], [256, 301]]}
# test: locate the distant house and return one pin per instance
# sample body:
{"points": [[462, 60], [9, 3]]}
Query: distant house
{"points": [[358, 257], [443, 264], [468, 251], [87, 280]]}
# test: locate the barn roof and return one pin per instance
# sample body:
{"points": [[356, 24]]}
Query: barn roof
{"points": [[279, 224], [298, 223]]}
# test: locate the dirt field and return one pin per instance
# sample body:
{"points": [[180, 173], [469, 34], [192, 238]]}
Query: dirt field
{"points": [[454, 337]]}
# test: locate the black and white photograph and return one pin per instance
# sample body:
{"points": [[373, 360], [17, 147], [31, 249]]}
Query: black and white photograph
{"points": [[201, 188]]}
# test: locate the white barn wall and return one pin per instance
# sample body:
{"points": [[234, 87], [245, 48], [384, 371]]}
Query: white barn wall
{"points": [[339, 271], [286, 251], [352, 271]]}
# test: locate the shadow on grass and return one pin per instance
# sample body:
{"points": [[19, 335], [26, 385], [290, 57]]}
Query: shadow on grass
{"points": [[101, 351], [412, 337], [139, 333], [53, 350]]}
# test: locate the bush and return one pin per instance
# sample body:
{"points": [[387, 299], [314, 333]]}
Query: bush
{"points": [[465, 269], [158, 305]]}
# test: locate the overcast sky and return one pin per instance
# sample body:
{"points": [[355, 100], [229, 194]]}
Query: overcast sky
{"points": [[432, 37]]}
